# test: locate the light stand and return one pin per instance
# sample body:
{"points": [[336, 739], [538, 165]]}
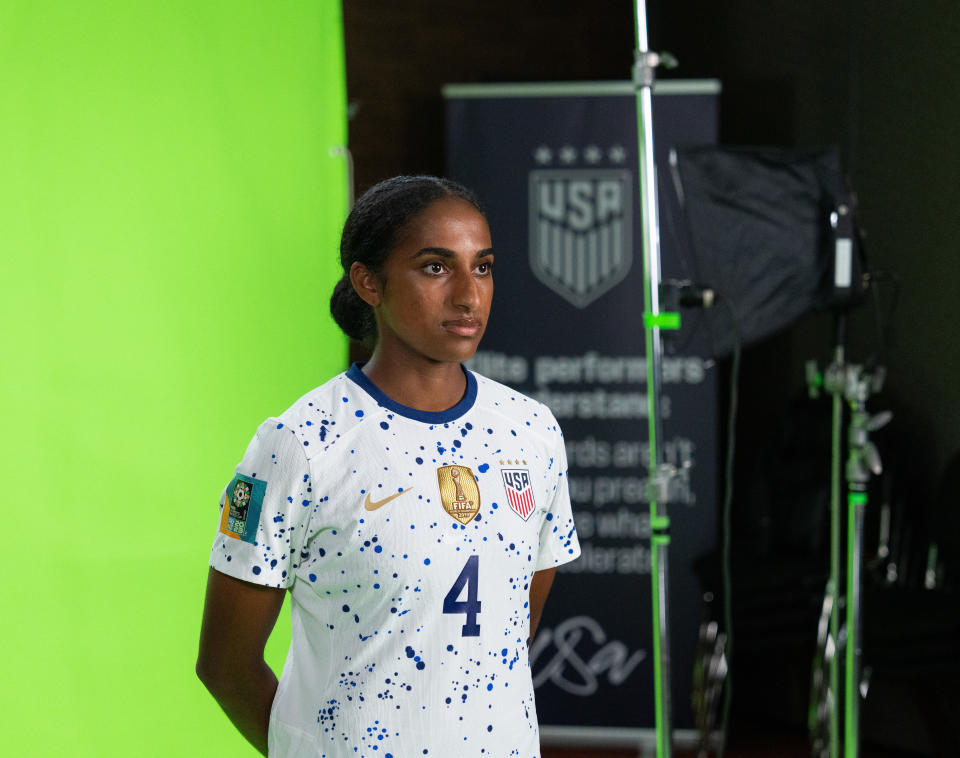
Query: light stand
{"points": [[757, 235], [826, 688], [644, 67], [854, 384], [863, 461]]}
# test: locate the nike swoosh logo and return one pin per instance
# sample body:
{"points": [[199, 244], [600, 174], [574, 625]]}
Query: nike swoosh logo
{"points": [[372, 505]]}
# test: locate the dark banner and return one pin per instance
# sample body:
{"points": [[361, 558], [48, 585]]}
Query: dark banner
{"points": [[556, 168]]}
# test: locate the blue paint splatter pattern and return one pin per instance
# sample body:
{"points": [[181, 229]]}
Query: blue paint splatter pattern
{"points": [[389, 657]]}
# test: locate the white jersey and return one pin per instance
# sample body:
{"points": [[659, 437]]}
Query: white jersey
{"points": [[408, 540]]}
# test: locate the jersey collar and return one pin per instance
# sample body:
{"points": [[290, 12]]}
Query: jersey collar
{"points": [[428, 417]]}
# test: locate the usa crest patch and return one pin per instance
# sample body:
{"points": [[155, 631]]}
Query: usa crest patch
{"points": [[517, 483], [241, 509]]}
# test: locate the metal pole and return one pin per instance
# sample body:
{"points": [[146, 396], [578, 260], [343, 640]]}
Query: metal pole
{"points": [[836, 486], [659, 521], [857, 501], [862, 462]]}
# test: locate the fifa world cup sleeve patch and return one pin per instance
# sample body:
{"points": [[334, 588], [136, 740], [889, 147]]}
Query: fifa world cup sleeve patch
{"points": [[241, 509]]}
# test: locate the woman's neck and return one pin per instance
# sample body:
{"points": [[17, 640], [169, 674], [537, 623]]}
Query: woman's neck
{"points": [[420, 384]]}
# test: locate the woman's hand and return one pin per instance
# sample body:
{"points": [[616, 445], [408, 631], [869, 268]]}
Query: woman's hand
{"points": [[539, 589], [237, 620]]}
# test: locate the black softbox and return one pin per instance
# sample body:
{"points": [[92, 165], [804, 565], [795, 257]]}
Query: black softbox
{"points": [[759, 233]]}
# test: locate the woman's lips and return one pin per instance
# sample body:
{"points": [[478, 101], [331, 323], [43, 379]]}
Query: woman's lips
{"points": [[465, 327]]}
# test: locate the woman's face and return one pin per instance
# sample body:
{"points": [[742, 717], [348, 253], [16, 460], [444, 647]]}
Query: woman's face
{"points": [[436, 287]]}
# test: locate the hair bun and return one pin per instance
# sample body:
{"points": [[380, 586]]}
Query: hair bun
{"points": [[351, 313]]}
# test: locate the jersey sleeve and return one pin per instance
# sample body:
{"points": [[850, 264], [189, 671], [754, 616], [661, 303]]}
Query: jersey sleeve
{"points": [[558, 535], [265, 510]]}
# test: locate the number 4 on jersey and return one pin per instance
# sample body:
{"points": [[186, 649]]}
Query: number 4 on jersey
{"points": [[471, 606]]}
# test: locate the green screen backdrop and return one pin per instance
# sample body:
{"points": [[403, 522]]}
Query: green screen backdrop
{"points": [[170, 205]]}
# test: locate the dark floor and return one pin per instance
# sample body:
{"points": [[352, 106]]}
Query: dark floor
{"points": [[758, 746]]}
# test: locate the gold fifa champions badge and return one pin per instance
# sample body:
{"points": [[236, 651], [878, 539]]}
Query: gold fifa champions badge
{"points": [[459, 492]]}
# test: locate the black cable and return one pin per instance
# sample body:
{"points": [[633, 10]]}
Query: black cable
{"points": [[884, 322], [726, 525], [686, 257], [873, 278], [730, 453]]}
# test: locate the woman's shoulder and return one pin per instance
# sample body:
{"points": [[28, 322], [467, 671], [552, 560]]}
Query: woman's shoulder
{"points": [[327, 413], [526, 411]]}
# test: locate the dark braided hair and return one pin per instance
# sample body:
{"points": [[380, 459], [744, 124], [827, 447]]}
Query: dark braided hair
{"points": [[372, 230]]}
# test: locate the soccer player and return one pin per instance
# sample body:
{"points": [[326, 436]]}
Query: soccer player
{"points": [[415, 511]]}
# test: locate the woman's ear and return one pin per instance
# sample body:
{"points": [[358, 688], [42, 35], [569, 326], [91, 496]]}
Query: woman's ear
{"points": [[366, 284]]}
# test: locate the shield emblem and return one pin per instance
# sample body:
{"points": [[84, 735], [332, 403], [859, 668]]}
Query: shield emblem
{"points": [[580, 230], [516, 481]]}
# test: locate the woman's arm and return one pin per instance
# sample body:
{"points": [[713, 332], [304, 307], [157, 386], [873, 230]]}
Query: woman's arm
{"points": [[539, 589], [237, 620]]}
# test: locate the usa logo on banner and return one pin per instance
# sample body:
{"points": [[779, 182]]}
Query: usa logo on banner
{"points": [[519, 492], [580, 225]]}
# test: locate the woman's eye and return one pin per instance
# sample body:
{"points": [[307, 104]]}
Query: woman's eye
{"points": [[435, 268], [485, 268]]}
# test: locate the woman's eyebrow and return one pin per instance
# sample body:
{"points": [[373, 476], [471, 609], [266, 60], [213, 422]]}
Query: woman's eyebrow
{"points": [[441, 251], [444, 252]]}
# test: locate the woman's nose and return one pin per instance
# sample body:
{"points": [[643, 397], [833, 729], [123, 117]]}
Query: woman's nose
{"points": [[466, 290]]}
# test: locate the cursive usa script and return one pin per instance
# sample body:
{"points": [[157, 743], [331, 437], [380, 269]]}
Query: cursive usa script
{"points": [[570, 668]]}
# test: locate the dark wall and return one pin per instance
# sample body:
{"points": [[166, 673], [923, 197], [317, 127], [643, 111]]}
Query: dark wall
{"points": [[876, 77], [399, 54]]}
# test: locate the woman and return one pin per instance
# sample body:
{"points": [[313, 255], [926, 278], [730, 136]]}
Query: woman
{"points": [[415, 511]]}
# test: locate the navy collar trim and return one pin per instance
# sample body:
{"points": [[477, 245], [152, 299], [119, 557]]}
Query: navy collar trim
{"points": [[428, 417]]}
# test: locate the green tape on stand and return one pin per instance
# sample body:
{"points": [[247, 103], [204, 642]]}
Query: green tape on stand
{"points": [[662, 320], [659, 523], [857, 498]]}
